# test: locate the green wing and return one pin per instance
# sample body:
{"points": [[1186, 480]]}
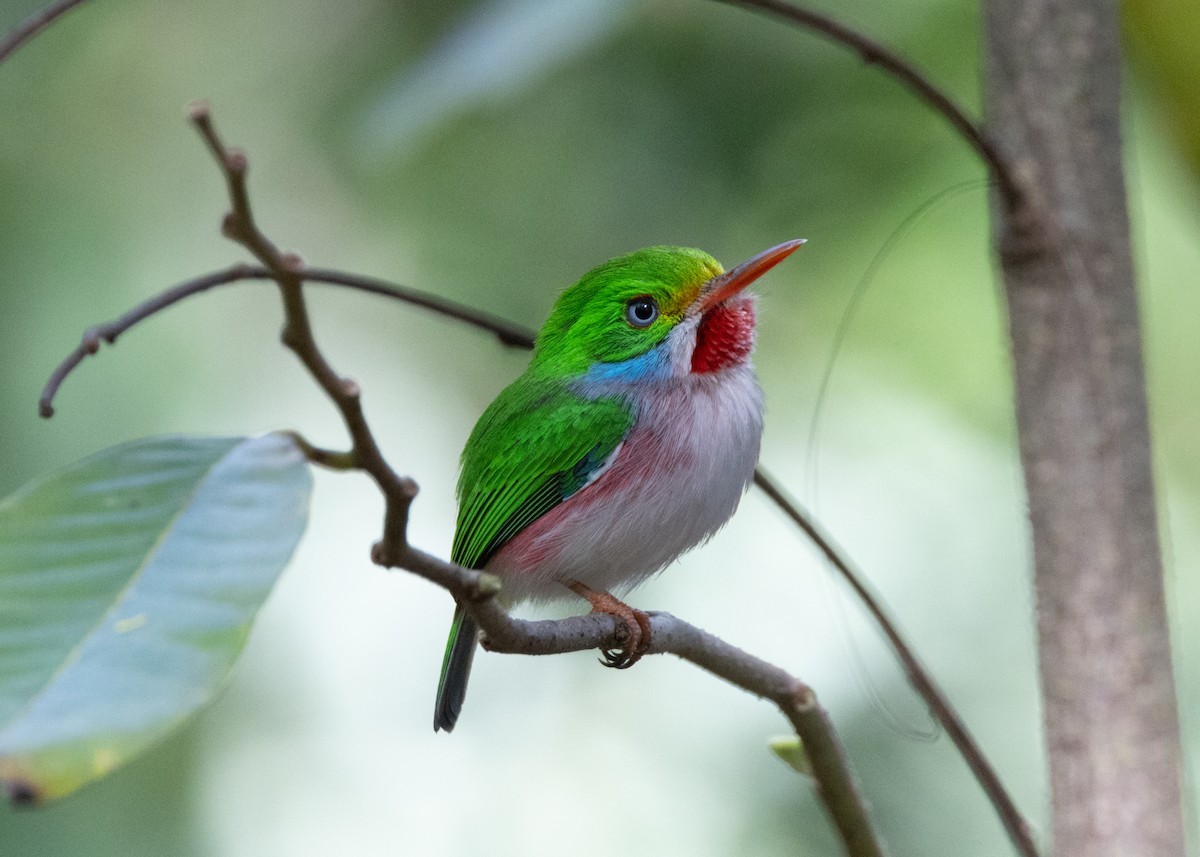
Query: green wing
{"points": [[534, 447]]}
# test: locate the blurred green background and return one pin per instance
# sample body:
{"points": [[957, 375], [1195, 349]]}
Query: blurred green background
{"points": [[493, 152]]}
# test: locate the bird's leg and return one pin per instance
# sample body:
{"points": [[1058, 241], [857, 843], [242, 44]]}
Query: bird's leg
{"points": [[636, 622]]}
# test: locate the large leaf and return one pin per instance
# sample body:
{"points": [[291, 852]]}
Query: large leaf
{"points": [[128, 584]]}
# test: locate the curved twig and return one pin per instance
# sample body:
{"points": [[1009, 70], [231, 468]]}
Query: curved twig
{"points": [[871, 52], [109, 331], [509, 334], [33, 25], [905, 72], [512, 335], [671, 635], [920, 678]]}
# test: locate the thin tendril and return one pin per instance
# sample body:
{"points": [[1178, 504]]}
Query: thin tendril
{"points": [[834, 593], [812, 470]]}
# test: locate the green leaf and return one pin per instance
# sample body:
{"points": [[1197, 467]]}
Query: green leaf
{"points": [[128, 584], [791, 750]]}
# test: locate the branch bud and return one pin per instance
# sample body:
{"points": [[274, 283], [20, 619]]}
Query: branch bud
{"points": [[380, 557], [486, 586], [199, 111], [236, 161]]}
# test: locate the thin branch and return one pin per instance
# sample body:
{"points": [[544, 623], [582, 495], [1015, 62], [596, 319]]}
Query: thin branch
{"points": [[796, 700], [109, 331], [509, 334], [1034, 227], [909, 75], [920, 678], [512, 335], [287, 270], [33, 25]]}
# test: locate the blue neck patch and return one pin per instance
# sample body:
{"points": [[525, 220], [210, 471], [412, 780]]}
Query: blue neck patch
{"points": [[654, 365]]}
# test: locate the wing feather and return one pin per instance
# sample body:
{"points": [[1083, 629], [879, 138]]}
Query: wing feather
{"points": [[536, 445]]}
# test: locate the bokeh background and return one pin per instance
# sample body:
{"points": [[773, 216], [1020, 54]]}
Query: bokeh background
{"points": [[492, 152]]}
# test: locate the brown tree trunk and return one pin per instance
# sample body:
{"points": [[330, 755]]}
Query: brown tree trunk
{"points": [[1052, 94]]}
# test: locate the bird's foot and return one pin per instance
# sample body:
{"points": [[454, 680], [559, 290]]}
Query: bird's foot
{"points": [[637, 623]]}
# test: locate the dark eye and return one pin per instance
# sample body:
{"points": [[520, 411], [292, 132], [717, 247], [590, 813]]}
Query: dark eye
{"points": [[641, 312]]}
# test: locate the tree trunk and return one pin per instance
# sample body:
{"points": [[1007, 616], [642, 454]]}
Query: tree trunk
{"points": [[1052, 93]]}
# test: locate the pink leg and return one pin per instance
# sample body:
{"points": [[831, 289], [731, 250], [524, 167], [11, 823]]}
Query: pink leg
{"points": [[637, 623]]}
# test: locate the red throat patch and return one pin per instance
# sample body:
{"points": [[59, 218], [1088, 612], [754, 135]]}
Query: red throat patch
{"points": [[724, 337]]}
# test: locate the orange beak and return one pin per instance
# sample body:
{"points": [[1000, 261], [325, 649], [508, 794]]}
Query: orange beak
{"points": [[725, 286]]}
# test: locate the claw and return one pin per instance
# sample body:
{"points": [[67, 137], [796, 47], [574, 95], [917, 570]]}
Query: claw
{"points": [[613, 658], [637, 623]]}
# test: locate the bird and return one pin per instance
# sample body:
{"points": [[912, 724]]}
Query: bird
{"points": [[629, 439]]}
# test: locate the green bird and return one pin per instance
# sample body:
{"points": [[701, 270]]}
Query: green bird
{"points": [[628, 440]]}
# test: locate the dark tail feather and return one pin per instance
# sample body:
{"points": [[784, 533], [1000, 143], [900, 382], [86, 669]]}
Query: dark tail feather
{"points": [[456, 669]]}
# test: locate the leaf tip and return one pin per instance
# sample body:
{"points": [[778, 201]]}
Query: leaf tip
{"points": [[791, 751]]}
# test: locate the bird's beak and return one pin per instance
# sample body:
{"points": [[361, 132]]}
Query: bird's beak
{"points": [[725, 286]]}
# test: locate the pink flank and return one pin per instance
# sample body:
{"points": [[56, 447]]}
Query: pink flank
{"points": [[541, 544]]}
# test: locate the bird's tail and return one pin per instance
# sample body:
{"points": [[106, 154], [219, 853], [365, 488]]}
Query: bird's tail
{"points": [[456, 669]]}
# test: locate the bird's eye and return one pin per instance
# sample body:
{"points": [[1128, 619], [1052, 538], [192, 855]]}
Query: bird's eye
{"points": [[641, 312]]}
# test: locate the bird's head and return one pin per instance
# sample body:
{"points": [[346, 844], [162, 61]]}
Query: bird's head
{"points": [[655, 314]]}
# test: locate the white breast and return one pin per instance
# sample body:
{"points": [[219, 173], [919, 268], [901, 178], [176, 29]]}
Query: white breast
{"points": [[675, 481]]}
